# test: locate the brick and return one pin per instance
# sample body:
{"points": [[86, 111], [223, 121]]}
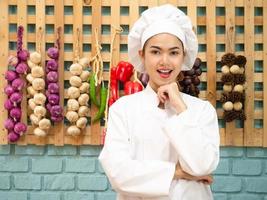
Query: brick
{"points": [[46, 165], [61, 182], [227, 184], [27, 182], [223, 167], [29, 150], [94, 182], [244, 197], [4, 149], [67, 150], [256, 185], [79, 196], [90, 150], [257, 152], [4, 182], [231, 152], [106, 195], [45, 196], [100, 168], [247, 167], [220, 197], [13, 195], [83, 165], [14, 164]]}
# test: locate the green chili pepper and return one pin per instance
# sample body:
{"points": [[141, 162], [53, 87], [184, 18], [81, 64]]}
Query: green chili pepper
{"points": [[92, 90], [103, 100]]}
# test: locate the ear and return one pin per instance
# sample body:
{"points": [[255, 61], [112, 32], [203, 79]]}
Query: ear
{"points": [[141, 55]]}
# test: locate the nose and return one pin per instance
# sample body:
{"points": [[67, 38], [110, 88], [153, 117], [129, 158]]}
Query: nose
{"points": [[164, 59]]}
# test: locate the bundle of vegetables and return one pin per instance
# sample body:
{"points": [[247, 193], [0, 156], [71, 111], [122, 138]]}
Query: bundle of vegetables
{"points": [[77, 105], [52, 90], [95, 79], [14, 90], [191, 79], [233, 78], [37, 99]]}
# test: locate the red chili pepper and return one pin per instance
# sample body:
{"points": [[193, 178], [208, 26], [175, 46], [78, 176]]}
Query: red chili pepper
{"points": [[132, 87], [124, 71], [114, 83], [110, 101]]}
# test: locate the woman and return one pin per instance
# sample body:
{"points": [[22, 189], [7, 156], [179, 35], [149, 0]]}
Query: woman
{"points": [[161, 144]]}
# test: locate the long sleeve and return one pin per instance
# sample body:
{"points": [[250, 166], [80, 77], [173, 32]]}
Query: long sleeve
{"points": [[127, 176], [195, 136]]}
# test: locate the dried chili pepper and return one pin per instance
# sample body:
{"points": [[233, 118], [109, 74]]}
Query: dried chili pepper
{"points": [[124, 71], [92, 90], [103, 100]]}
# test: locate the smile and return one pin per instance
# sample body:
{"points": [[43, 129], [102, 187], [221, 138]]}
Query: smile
{"points": [[164, 73]]}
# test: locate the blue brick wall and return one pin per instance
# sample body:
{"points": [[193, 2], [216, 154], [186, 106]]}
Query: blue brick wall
{"points": [[74, 173]]}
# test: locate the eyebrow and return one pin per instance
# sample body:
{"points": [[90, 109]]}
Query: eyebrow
{"points": [[157, 47]]}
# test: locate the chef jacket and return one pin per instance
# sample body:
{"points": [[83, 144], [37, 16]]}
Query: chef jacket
{"points": [[144, 142]]}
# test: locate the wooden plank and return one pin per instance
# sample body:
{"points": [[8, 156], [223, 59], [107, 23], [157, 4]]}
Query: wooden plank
{"points": [[96, 24], [22, 21], [133, 13], [3, 59], [249, 134], [59, 23], [192, 13], [153, 3], [211, 51], [115, 16], [265, 73]]}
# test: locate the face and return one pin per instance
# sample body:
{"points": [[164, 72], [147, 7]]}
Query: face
{"points": [[162, 57]]}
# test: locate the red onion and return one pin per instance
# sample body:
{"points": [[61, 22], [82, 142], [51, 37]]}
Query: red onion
{"points": [[9, 90], [9, 124], [15, 113], [16, 98], [23, 55], [52, 65], [56, 111], [52, 77], [11, 75], [53, 88], [53, 52], [12, 137], [8, 105], [53, 99], [20, 128], [18, 84], [12, 60], [22, 68]]}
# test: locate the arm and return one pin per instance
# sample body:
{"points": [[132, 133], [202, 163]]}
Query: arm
{"points": [[196, 141], [128, 176]]}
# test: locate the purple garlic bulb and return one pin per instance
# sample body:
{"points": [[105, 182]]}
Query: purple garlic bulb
{"points": [[53, 52], [9, 124], [52, 77], [8, 104], [23, 55], [22, 68], [9, 90], [52, 65], [11, 75], [53, 99], [16, 98], [20, 128], [18, 84], [53, 88], [13, 137], [15, 113]]}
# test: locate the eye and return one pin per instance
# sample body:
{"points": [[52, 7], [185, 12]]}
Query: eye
{"points": [[155, 52], [175, 53]]}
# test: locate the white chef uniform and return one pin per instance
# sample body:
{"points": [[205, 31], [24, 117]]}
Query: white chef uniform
{"points": [[144, 143]]}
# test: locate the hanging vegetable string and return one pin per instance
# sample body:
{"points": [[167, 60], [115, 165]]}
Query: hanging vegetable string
{"points": [[77, 47], [118, 30]]}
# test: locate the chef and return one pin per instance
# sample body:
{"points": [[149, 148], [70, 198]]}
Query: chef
{"points": [[161, 144]]}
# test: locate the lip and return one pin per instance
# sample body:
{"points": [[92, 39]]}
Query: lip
{"points": [[164, 75]]}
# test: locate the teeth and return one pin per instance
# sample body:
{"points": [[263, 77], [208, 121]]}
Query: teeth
{"points": [[164, 70]]}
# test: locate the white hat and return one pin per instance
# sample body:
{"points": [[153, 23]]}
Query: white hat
{"points": [[162, 19]]}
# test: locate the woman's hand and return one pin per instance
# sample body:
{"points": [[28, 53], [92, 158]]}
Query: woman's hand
{"points": [[170, 92], [180, 174]]}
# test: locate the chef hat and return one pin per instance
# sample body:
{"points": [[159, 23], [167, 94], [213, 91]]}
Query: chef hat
{"points": [[162, 19]]}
